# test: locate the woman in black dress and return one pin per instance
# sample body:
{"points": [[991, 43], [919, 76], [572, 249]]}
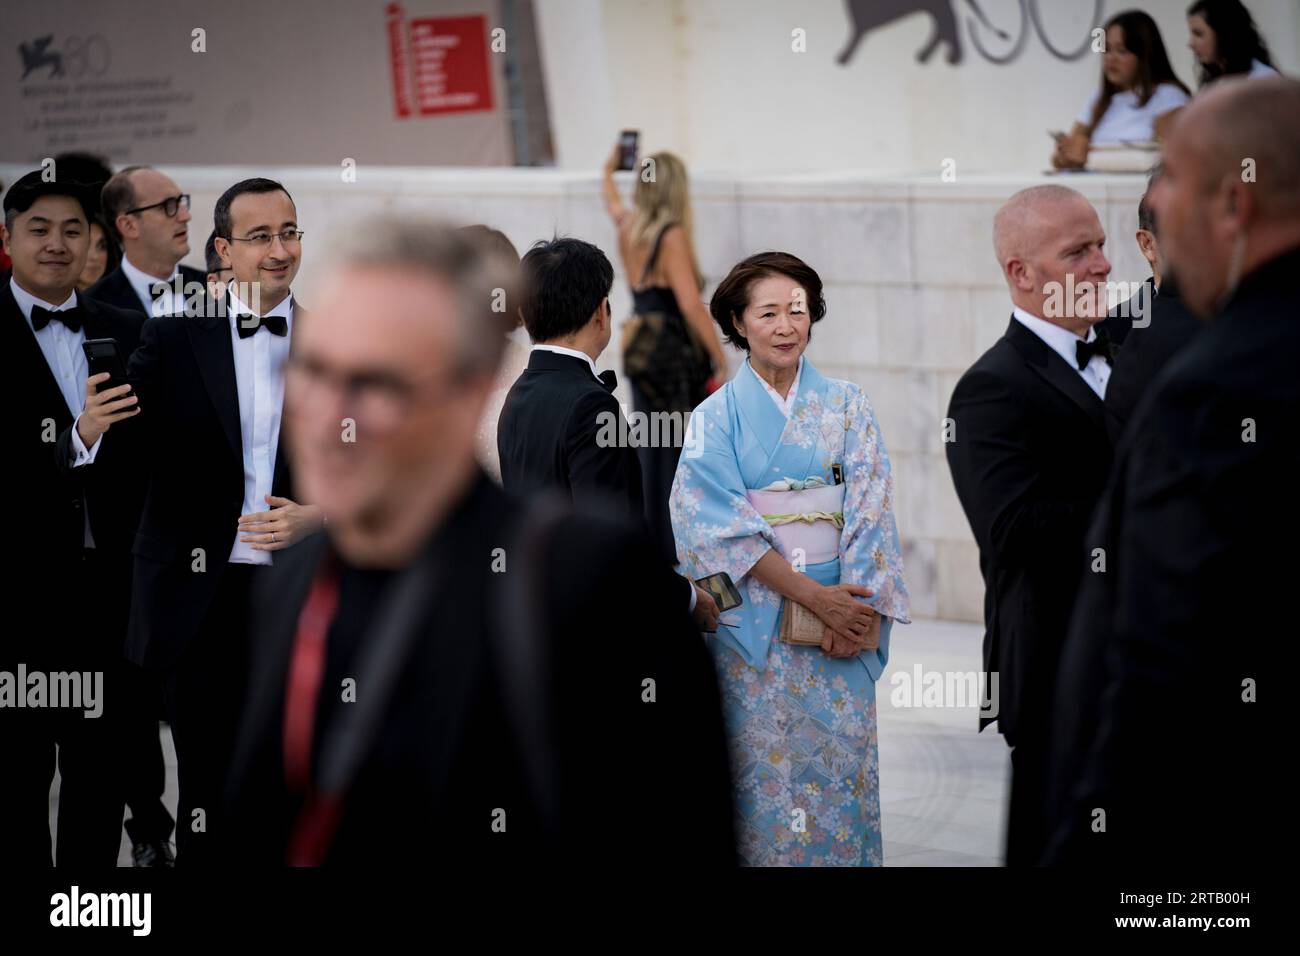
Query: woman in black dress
{"points": [[672, 355]]}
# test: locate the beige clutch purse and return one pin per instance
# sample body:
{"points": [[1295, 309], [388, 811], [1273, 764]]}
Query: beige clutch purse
{"points": [[799, 625]]}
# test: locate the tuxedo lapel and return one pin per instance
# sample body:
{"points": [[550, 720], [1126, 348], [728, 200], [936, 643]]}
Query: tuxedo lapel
{"points": [[26, 351], [1054, 370], [215, 357]]}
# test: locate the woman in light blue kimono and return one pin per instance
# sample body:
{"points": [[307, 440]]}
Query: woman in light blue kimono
{"points": [[784, 484]]}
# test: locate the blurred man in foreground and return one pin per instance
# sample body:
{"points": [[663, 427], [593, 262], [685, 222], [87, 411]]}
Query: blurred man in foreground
{"points": [[447, 673]]}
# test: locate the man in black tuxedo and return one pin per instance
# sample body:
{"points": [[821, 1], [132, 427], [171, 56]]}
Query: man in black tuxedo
{"points": [[561, 428], [219, 499], [1156, 336], [71, 519], [151, 215], [547, 433], [1161, 753], [446, 673], [1029, 459]]}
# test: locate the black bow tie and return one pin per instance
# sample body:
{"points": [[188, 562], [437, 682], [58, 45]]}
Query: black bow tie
{"points": [[609, 380], [1101, 345], [249, 324], [41, 317]]}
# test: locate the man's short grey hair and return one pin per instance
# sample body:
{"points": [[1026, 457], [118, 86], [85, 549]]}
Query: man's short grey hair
{"points": [[485, 285]]}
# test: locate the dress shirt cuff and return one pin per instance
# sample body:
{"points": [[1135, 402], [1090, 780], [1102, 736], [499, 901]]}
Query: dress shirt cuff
{"points": [[80, 454], [694, 597]]}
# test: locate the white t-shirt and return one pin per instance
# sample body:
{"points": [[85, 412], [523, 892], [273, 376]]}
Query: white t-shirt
{"points": [[1261, 69], [1125, 121]]}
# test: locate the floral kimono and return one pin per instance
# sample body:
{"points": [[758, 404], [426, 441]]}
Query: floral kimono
{"points": [[801, 724]]}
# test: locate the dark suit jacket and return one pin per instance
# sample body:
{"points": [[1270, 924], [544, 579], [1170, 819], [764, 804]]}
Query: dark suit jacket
{"points": [[1145, 352], [189, 438], [548, 430], [1150, 723], [447, 750], [115, 289], [48, 499], [1029, 463]]}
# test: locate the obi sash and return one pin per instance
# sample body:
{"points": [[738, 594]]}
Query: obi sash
{"points": [[806, 521]]}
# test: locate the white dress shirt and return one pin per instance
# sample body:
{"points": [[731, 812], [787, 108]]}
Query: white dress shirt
{"points": [[67, 362], [785, 404], [572, 353], [143, 284], [1062, 341], [259, 379]]}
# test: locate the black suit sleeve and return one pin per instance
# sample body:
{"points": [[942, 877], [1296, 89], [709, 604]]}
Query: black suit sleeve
{"points": [[1175, 738], [596, 471], [124, 327], [1013, 512]]}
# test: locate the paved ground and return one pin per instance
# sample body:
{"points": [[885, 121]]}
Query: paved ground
{"points": [[943, 786]]}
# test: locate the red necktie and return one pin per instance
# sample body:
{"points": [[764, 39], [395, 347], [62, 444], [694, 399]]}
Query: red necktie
{"points": [[315, 824]]}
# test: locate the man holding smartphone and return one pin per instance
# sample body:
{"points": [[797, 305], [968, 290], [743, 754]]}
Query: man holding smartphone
{"points": [[70, 530]]}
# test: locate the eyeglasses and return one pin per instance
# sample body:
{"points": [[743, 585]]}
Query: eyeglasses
{"points": [[262, 239], [380, 400], [169, 206]]}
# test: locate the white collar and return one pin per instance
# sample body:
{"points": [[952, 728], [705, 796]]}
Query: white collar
{"points": [[26, 300], [284, 307], [1060, 340], [786, 404], [142, 280], [572, 353]]}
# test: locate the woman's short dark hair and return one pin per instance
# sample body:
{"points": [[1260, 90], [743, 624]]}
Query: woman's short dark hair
{"points": [[732, 294]]}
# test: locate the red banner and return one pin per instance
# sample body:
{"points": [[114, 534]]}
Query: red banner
{"points": [[449, 57]]}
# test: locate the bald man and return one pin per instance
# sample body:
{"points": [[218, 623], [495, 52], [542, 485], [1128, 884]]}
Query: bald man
{"points": [[1159, 748], [1029, 458]]}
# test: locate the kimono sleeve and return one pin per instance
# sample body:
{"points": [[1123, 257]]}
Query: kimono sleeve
{"points": [[715, 526], [870, 554]]}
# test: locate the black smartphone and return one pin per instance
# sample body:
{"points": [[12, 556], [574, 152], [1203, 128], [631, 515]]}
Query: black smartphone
{"points": [[627, 144], [723, 590], [102, 356]]}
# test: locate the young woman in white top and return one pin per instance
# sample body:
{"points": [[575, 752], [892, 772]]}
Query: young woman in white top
{"points": [[1225, 41], [1139, 95]]}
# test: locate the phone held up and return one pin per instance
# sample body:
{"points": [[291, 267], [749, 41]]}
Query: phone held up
{"points": [[627, 147]]}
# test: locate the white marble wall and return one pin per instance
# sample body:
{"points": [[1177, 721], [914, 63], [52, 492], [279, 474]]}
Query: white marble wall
{"points": [[913, 291]]}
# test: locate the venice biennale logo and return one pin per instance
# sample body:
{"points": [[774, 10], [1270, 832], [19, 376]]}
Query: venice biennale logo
{"points": [[869, 15], [74, 58]]}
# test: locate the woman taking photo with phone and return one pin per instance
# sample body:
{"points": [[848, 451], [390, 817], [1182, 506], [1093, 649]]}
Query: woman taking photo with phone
{"points": [[792, 496], [671, 354]]}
